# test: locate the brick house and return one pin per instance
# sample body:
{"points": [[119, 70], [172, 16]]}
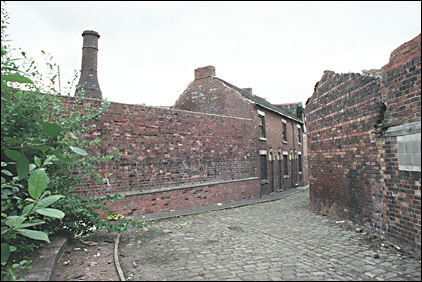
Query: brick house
{"points": [[280, 131], [298, 110]]}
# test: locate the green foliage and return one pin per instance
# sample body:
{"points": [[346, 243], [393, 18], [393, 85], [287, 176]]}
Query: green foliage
{"points": [[43, 156]]}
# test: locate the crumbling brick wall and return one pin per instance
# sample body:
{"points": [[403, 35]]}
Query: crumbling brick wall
{"points": [[342, 155], [173, 159], [401, 93], [401, 89], [358, 168]]}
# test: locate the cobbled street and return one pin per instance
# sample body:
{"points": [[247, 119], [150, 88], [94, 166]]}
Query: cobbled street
{"points": [[277, 240]]}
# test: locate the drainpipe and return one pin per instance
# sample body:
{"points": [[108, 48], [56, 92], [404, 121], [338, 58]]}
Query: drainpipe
{"points": [[88, 80]]}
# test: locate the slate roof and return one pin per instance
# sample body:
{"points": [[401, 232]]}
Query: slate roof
{"points": [[261, 101], [292, 107]]}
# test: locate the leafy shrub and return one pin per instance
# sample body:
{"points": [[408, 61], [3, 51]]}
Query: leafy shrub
{"points": [[43, 156]]}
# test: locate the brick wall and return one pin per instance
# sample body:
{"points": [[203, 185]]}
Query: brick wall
{"points": [[355, 126], [342, 154], [171, 152], [401, 80], [202, 195], [401, 92]]}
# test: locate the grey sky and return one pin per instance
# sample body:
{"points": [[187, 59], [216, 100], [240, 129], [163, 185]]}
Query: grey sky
{"points": [[148, 50]]}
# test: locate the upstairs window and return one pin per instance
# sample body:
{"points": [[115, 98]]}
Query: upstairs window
{"points": [[299, 136], [261, 124], [285, 132]]}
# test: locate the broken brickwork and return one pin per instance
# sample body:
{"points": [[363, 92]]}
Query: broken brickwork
{"points": [[401, 93], [363, 132]]}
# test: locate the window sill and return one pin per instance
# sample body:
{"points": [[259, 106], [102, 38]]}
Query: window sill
{"points": [[264, 181], [286, 176], [262, 138], [284, 142]]}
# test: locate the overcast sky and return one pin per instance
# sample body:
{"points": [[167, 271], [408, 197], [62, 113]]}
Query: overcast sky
{"points": [[148, 51]]}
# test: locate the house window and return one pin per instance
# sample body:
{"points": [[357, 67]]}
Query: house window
{"points": [[284, 132], [262, 125], [263, 167], [299, 140]]}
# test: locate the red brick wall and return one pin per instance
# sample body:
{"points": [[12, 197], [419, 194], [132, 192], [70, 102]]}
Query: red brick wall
{"points": [[401, 78], [167, 149], [401, 92], [353, 162], [342, 154], [187, 198]]}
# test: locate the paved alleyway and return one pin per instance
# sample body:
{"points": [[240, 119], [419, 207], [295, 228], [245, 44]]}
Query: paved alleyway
{"points": [[278, 240]]}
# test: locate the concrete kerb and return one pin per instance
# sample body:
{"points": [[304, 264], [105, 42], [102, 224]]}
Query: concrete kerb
{"points": [[116, 259]]}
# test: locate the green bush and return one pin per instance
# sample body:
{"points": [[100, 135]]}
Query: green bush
{"points": [[43, 156]]}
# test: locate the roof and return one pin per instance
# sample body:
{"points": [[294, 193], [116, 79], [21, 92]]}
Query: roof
{"points": [[261, 102], [288, 104], [295, 108]]}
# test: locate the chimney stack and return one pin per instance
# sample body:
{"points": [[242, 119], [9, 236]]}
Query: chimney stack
{"points": [[249, 90], [88, 80], [204, 72]]}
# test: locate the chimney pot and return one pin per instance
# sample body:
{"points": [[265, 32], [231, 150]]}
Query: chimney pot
{"points": [[89, 80], [204, 72]]}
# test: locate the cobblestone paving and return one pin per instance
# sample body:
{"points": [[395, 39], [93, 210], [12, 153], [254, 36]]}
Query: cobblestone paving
{"points": [[279, 240]]}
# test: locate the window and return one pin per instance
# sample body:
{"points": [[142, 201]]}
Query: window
{"points": [[263, 167], [262, 125], [286, 165], [409, 152], [284, 132], [299, 140]]}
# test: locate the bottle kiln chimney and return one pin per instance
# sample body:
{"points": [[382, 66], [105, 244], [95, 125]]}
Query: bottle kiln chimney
{"points": [[88, 80]]}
